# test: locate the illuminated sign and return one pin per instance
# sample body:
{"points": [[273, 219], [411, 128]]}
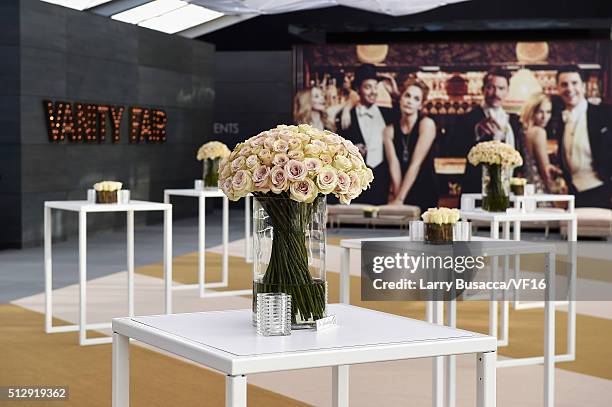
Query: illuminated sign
{"points": [[87, 123]]}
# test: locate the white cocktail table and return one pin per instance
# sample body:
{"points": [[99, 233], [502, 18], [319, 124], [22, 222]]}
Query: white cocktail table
{"points": [[226, 341], [435, 312], [202, 194], [83, 208], [516, 216]]}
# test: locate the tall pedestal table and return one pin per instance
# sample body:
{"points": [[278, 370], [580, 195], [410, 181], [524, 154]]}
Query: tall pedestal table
{"points": [[226, 341], [83, 208]]}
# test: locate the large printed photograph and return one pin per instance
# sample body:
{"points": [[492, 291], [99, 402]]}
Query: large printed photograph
{"points": [[415, 111]]}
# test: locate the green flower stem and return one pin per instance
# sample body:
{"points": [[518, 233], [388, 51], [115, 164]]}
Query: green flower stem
{"points": [[288, 270], [496, 198]]}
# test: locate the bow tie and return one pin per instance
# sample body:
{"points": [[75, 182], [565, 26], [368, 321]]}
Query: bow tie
{"points": [[364, 112]]}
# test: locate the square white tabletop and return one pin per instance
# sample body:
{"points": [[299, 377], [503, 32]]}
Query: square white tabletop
{"points": [[207, 192], [516, 215], [86, 206], [227, 341]]}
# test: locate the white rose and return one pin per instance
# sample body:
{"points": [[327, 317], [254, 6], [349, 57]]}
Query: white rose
{"points": [[327, 179], [296, 170], [355, 188], [303, 191], [325, 159], [295, 155], [294, 144], [342, 163], [312, 150], [265, 156]]}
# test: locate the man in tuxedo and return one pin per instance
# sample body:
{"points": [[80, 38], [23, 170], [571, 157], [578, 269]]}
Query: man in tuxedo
{"points": [[585, 142], [365, 130], [488, 122]]}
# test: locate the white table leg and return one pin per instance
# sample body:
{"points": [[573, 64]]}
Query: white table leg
{"points": [[201, 243], [451, 361], [247, 229], [438, 362], [571, 311], [225, 241], [168, 259], [485, 379], [494, 229], [121, 370], [340, 386], [48, 272], [82, 277], [235, 391], [505, 322], [517, 262], [345, 277], [493, 322], [549, 333], [130, 261]]}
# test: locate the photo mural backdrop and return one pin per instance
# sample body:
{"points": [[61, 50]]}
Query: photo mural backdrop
{"points": [[415, 110]]}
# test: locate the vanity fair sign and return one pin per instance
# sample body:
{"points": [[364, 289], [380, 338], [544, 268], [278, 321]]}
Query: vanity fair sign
{"points": [[87, 123]]}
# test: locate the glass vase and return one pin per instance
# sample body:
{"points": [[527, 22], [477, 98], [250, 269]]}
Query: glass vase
{"points": [[289, 255], [438, 234], [495, 187], [211, 172]]}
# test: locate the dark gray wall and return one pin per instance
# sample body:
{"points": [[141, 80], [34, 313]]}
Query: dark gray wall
{"points": [[10, 156], [254, 90], [75, 56]]}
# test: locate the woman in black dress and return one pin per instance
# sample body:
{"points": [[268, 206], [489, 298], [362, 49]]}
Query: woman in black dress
{"points": [[408, 149]]}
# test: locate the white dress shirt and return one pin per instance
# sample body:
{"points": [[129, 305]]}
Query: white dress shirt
{"points": [[372, 125], [578, 148], [503, 119]]}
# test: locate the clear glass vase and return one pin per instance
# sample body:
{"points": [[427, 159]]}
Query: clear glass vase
{"points": [[210, 174], [289, 255], [495, 187]]}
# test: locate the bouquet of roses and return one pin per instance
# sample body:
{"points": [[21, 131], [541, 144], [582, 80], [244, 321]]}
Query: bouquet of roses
{"points": [[288, 170], [212, 150], [495, 153], [299, 161]]}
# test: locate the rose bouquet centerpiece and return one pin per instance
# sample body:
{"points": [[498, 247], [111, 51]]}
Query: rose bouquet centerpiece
{"points": [[498, 160], [211, 153], [289, 170], [439, 224]]}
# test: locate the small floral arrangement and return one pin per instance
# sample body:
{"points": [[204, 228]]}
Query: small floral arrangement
{"points": [[439, 225], [495, 153], [300, 162], [518, 181], [212, 150], [109, 186], [370, 212], [441, 216]]}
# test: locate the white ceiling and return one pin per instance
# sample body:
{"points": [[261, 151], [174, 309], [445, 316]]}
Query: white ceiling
{"points": [[192, 18]]}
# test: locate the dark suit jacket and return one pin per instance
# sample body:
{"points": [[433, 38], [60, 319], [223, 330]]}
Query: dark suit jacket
{"points": [[600, 139], [466, 139], [379, 189]]}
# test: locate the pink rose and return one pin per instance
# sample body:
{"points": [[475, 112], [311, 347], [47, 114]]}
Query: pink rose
{"points": [[278, 179], [280, 159], [296, 170], [281, 146], [261, 175], [312, 164], [238, 163], [327, 179], [344, 183]]}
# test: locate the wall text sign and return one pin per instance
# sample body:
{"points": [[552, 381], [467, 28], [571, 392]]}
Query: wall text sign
{"points": [[87, 123]]}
